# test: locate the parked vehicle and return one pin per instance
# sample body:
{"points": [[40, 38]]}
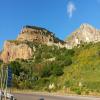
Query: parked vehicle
{"points": [[1, 94], [41, 98], [8, 95]]}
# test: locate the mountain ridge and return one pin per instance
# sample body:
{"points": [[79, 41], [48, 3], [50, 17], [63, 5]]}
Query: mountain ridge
{"points": [[85, 33], [16, 48], [37, 65]]}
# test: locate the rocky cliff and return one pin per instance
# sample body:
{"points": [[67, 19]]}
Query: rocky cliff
{"points": [[86, 33], [20, 49], [38, 34], [13, 51]]}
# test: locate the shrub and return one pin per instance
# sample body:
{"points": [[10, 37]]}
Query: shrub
{"points": [[16, 67], [87, 92], [57, 71], [67, 84], [70, 52], [77, 90], [46, 72], [67, 61]]}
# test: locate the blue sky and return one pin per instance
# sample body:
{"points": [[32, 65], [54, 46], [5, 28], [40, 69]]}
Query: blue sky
{"points": [[59, 16]]}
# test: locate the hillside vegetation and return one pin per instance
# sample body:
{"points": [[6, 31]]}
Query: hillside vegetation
{"points": [[58, 69]]}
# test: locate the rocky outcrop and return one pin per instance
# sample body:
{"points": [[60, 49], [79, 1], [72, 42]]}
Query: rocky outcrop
{"points": [[13, 51], [21, 48], [86, 33], [37, 34], [30, 33]]}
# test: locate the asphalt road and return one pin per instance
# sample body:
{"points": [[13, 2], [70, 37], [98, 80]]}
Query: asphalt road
{"points": [[50, 97]]}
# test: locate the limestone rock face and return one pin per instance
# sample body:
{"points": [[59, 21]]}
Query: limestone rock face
{"points": [[86, 33], [37, 34], [20, 49], [13, 51], [32, 34]]}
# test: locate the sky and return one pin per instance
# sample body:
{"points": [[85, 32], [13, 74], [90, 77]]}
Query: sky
{"points": [[59, 16]]}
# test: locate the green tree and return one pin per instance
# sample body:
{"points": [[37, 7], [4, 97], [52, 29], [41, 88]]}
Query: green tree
{"points": [[16, 67]]}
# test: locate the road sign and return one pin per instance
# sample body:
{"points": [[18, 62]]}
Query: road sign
{"points": [[9, 81], [9, 73]]}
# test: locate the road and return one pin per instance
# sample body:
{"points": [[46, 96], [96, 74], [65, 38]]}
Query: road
{"points": [[50, 97]]}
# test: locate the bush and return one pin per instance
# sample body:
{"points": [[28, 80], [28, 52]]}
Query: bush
{"points": [[16, 67], [70, 52], [1, 62], [77, 90], [57, 71], [67, 84], [87, 92], [46, 71], [67, 61]]}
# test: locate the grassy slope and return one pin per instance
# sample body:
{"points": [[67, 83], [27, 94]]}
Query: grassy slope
{"points": [[85, 69]]}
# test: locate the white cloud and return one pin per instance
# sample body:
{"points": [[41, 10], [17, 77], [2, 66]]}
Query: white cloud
{"points": [[70, 8]]}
